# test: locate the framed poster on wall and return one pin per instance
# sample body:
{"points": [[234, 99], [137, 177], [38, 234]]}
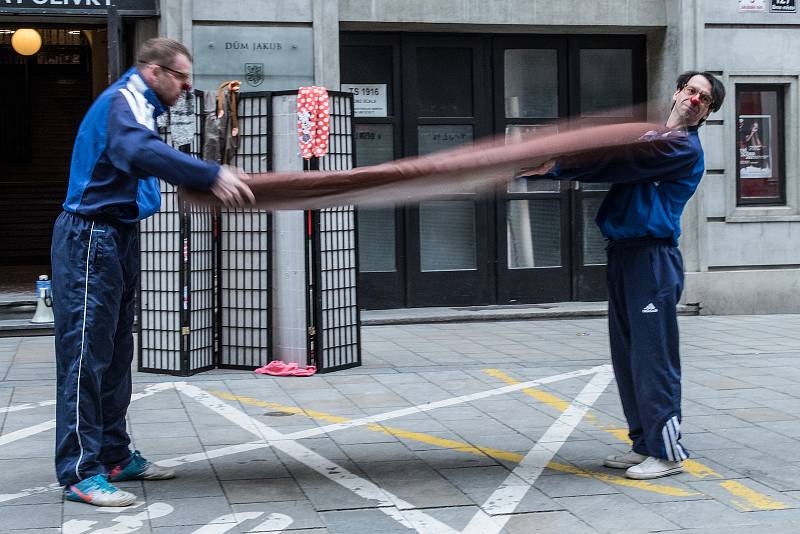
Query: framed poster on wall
{"points": [[755, 158], [759, 144]]}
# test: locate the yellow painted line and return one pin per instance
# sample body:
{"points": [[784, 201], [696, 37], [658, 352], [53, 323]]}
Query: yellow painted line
{"points": [[695, 468], [542, 396], [755, 500], [463, 447]]}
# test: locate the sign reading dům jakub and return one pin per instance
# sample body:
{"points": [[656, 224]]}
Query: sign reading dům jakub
{"points": [[54, 7], [263, 58], [784, 6]]}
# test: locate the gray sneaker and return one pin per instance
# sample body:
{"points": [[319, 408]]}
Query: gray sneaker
{"points": [[139, 469], [654, 468], [624, 461]]}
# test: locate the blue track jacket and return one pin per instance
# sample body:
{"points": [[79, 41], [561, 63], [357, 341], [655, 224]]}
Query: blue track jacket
{"points": [[118, 154], [652, 182]]}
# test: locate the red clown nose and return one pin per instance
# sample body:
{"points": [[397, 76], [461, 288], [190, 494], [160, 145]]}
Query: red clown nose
{"points": [[695, 100]]}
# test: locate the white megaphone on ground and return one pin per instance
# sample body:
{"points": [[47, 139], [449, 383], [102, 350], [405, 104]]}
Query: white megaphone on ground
{"points": [[44, 301]]}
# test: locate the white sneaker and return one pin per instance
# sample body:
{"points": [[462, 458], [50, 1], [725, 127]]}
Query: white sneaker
{"points": [[654, 467], [624, 461]]}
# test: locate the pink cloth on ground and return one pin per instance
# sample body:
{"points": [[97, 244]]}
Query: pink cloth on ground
{"points": [[279, 368]]}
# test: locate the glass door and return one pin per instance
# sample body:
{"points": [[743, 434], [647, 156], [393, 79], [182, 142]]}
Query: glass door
{"points": [[371, 62], [447, 105], [533, 216], [609, 86], [549, 247]]}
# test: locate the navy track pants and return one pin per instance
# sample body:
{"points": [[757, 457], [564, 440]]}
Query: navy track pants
{"points": [[645, 281], [95, 277]]}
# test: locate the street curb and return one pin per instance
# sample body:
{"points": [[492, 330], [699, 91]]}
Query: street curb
{"points": [[480, 314]]}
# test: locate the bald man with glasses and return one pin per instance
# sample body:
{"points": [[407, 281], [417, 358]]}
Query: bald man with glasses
{"points": [[117, 160], [640, 218]]}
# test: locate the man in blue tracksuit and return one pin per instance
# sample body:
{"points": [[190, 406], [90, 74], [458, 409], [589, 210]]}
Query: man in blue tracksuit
{"points": [[95, 261], [640, 217]]}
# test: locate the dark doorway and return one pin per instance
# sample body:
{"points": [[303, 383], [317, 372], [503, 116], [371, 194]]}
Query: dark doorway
{"points": [[447, 103], [535, 241], [549, 248], [45, 96]]}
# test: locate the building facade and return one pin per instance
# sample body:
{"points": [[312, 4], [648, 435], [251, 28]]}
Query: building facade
{"points": [[432, 75]]}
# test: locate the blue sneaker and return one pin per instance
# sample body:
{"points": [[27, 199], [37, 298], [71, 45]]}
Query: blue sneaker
{"points": [[139, 469], [98, 491]]}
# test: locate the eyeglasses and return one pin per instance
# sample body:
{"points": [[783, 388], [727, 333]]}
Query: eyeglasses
{"points": [[705, 98], [182, 77]]}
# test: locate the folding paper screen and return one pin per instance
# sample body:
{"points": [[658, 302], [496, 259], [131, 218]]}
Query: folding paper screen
{"points": [[208, 294]]}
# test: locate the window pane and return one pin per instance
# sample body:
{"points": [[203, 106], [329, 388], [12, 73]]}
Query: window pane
{"points": [[433, 138], [447, 235], [519, 132], [376, 240], [606, 82], [531, 83], [369, 64], [594, 244], [444, 82], [533, 229], [759, 142], [374, 144]]}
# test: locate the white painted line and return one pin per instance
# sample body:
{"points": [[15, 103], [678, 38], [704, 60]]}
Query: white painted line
{"points": [[125, 523], [25, 432], [117, 509], [29, 406], [496, 510], [11, 437], [223, 524], [273, 524], [243, 447], [421, 408], [77, 526], [401, 511], [313, 432], [30, 491], [213, 453]]}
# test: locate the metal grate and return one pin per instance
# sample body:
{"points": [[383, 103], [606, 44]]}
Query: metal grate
{"points": [[245, 248], [177, 291], [336, 340], [159, 303]]}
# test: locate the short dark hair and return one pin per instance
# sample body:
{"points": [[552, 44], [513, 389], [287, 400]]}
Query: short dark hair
{"points": [[717, 89], [161, 51]]}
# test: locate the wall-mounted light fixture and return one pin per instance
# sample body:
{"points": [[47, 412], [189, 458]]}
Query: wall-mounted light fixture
{"points": [[26, 41]]}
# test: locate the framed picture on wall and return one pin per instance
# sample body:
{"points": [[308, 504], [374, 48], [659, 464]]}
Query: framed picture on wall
{"points": [[755, 159], [760, 176]]}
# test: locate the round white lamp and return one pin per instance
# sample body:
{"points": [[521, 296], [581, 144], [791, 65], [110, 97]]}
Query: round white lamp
{"points": [[26, 41]]}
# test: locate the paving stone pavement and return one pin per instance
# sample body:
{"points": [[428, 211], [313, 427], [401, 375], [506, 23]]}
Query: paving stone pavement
{"points": [[297, 455]]}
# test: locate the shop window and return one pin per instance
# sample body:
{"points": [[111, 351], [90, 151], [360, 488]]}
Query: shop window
{"points": [[760, 171]]}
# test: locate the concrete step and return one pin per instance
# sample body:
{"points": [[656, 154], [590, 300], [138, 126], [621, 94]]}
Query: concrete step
{"points": [[512, 312], [15, 316]]}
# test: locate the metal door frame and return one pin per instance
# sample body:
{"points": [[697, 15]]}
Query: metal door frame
{"points": [[449, 288]]}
